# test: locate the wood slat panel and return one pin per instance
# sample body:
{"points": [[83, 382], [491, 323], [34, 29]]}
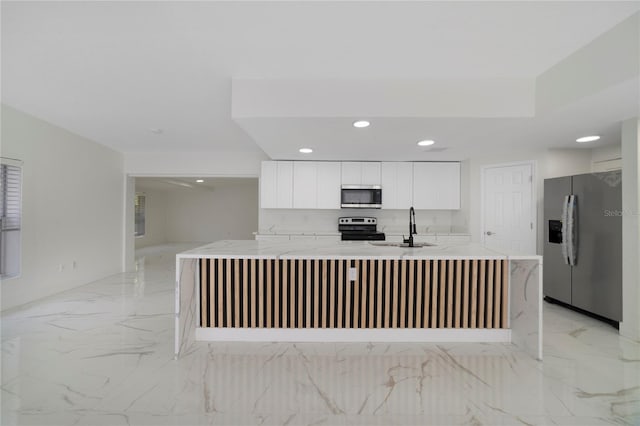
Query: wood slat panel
{"points": [[285, 294], [228, 301], [505, 294], [483, 266], [269, 294], [450, 302], [212, 293], [395, 299], [347, 299], [434, 293], [497, 294], [300, 293], [366, 311], [277, 283], [489, 319], [379, 310], [261, 298], [443, 292], [293, 292]]}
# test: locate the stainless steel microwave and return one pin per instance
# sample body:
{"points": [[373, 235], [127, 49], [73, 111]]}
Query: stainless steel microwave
{"points": [[361, 196]]}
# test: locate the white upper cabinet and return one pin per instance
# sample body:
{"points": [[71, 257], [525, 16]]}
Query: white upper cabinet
{"points": [[360, 173], [276, 185], [316, 185], [328, 185], [397, 185], [436, 186], [305, 179]]}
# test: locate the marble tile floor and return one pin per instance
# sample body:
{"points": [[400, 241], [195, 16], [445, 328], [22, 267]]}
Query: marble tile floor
{"points": [[102, 354]]}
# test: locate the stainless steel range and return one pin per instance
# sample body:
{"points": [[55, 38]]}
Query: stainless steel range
{"points": [[359, 229]]}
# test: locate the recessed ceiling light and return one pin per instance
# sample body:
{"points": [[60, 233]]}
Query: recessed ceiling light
{"points": [[426, 142], [361, 124], [156, 131], [306, 150], [588, 139], [199, 180]]}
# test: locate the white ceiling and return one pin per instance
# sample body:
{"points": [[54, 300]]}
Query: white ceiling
{"points": [[111, 71]]}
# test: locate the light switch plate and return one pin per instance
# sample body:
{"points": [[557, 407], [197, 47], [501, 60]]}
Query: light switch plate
{"points": [[353, 274]]}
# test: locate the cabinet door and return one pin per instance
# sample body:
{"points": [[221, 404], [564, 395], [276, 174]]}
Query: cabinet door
{"points": [[328, 185], [436, 186], [404, 186], [284, 187], [268, 185], [397, 185], [370, 174], [351, 173], [304, 184]]}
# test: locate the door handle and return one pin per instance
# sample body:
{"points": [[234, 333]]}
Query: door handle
{"points": [[489, 233]]}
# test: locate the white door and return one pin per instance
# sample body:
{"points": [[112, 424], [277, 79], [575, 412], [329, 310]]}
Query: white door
{"points": [[509, 213]]}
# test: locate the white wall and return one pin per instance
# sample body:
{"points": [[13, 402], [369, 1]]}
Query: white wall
{"points": [[73, 208], [630, 325], [155, 217], [229, 211]]}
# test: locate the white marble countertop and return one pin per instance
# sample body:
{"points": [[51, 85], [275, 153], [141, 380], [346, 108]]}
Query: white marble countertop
{"points": [[251, 249]]}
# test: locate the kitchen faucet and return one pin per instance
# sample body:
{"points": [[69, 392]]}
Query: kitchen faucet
{"points": [[412, 227]]}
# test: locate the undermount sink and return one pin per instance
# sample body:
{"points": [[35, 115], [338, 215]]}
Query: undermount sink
{"points": [[405, 245]]}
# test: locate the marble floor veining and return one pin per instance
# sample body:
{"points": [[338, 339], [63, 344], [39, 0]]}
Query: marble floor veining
{"points": [[102, 354]]}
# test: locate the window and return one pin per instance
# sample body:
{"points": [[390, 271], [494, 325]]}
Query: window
{"points": [[10, 217], [139, 215]]}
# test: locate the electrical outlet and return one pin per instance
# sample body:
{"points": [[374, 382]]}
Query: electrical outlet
{"points": [[353, 274]]}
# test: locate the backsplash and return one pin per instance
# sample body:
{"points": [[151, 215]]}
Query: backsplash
{"points": [[389, 221]]}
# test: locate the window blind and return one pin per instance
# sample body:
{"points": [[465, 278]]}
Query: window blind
{"points": [[10, 197]]}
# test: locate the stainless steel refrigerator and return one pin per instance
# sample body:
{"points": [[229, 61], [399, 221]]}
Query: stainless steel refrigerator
{"points": [[583, 242]]}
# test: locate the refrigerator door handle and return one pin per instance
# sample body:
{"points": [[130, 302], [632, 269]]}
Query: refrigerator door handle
{"points": [[568, 230]]}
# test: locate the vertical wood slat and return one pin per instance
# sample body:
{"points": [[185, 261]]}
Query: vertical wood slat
{"points": [[379, 294], [340, 288], [474, 293], [269, 293], [483, 265], [387, 294], [245, 293], [261, 298], [316, 293], [434, 294], [212, 292], [285, 293], [347, 297], [308, 303], [427, 293], [325, 315], [368, 281], [458, 294], [450, 274], [254, 285], [293, 291], [410, 297], [236, 292], [228, 288], [403, 293], [497, 294], [505, 294], [419, 299], [300, 293], [489, 313], [465, 295], [443, 292], [394, 304], [332, 293], [220, 291], [276, 294], [355, 321]]}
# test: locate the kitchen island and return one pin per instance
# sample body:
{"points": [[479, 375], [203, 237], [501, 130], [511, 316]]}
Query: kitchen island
{"points": [[356, 291]]}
